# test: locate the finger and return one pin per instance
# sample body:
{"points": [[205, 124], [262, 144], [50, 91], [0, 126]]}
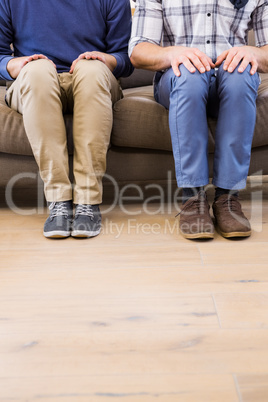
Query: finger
{"points": [[38, 56], [94, 56], [89, 56], [243, 65], [236, 61], [200, 61], [227, 61], [81, 56], [207, 62], [254, 67], [187, 63], [232, 57], [53, 64], [176, 70], [221, 58], [100, 58], [211, 64], [204, 60], [73, 66], [195, 62]]}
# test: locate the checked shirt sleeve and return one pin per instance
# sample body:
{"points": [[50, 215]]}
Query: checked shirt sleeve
{"points": [[147, 25], [260, 23]]}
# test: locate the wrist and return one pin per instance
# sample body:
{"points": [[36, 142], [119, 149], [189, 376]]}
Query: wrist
{"points": [[10, 67], [111, 62]]}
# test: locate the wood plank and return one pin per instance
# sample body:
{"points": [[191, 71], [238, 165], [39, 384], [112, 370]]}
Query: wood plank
{"points": [[146, 388], [18, 281], [240, 310], [234, 252], [86, 312], [94, 253], [135, 352], [253, 388]]}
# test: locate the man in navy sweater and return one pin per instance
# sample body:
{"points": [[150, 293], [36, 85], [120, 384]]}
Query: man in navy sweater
{"points": [[67, 57]]}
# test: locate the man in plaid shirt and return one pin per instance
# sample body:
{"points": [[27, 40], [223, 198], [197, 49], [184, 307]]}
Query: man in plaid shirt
{"points": [[205, 67]]}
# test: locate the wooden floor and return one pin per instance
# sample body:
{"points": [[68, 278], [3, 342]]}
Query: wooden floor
{"points": [[135, 314]]}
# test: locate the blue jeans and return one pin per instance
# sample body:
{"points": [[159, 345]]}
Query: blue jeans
{"points": [[190, 98]]}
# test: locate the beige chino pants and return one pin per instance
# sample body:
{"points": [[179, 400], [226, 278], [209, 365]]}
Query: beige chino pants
{"points": [[42, 96]]}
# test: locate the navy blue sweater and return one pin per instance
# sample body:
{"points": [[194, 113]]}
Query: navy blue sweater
{"points": [[63, 29]]}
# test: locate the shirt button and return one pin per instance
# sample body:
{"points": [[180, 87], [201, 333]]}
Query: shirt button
{"points": [[208, 14], [208, 41]]}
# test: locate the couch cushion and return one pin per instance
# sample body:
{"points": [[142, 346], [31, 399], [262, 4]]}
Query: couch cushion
{"points": [[12, 136], [140, 122]]}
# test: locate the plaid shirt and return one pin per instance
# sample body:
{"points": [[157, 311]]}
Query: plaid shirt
{"points": [[212, 26]]}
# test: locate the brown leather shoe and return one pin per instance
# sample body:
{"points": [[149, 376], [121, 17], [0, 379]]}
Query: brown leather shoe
{"points": [[195, 220], [229, 217]]}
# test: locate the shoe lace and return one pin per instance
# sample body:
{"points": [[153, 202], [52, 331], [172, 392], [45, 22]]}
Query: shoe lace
{"points": [[58, 209], [196, 205], [231, 204], [84, 209]]}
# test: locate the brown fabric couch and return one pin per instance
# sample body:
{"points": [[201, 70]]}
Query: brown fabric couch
{"points": [[140, 151]]}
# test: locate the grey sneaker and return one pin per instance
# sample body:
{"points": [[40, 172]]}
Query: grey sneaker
{"points": [[87, 221], [58, 224]]}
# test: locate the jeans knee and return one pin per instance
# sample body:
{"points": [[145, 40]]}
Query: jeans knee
{"points": [[194, 85], [238, 84]]}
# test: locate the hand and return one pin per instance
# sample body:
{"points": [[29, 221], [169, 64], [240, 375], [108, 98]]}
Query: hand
{"points": [[191, 58], [15, 65], [236, 55], [107, 59]]}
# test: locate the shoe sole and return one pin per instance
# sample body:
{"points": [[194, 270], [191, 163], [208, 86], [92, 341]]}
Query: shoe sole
{"points": [[58, 234], [84, 233], [201, 235], [235, 234]]}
